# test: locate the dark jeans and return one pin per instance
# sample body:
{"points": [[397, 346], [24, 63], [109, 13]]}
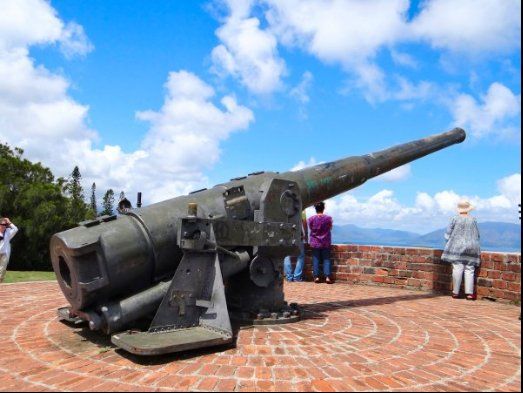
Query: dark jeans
{"points": [[321, 254]]}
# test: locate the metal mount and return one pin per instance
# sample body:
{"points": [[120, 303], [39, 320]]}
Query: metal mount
{"points": [[193, 313]]}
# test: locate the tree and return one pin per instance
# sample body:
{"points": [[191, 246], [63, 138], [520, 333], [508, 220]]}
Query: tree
{"points": [[36, 203], [76, 189], [108, 203], [94, 208], [73, 187]]}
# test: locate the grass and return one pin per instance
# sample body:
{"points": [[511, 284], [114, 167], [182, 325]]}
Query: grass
{"points": [[14, 276]]}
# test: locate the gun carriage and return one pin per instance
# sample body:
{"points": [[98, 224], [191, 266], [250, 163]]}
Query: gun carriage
{"points": [[189, 264]]}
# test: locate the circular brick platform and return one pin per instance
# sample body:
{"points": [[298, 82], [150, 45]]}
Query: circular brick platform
{"points": [[353, 338]]}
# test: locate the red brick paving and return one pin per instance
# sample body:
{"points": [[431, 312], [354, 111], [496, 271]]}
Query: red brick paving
{"points": [[354, 338]]}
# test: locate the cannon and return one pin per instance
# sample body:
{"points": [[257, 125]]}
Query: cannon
{"points": [[171, 276]]}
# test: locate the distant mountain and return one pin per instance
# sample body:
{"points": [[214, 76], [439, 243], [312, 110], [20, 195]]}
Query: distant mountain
{"points": [[354, 234], [495, 236]]}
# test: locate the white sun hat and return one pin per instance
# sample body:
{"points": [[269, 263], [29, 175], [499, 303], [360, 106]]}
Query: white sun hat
{"points": [[464, 206]]}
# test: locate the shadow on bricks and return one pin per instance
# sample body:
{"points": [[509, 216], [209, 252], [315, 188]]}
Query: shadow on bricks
{"points": [[314, 310]]}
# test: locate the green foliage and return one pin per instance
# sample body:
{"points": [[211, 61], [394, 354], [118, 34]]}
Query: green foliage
{"points": [[39, 205], [79, 210], [108, 203], [94, 208]]}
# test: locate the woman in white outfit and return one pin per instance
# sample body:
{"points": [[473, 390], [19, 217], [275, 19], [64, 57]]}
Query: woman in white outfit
{"points": [[7, 232], [462, 249]]}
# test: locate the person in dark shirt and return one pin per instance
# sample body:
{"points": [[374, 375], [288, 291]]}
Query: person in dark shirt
{"points": [[320, 226]]}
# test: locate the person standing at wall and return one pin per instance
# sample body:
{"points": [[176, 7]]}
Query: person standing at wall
{"points": [[7, 232], [297, 274], [320, 226], [463, 249]]}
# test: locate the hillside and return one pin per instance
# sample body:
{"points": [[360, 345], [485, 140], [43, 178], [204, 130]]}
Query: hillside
{"points": [[495, 236]]}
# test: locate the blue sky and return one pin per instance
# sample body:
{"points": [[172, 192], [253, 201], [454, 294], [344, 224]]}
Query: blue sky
{"points": [[133, 92]]}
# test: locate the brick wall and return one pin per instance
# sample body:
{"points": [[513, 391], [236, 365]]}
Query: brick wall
{"points": [[498, 278]]}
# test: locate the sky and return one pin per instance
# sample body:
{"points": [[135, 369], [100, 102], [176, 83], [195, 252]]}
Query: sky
{"points": [[167, 97]]}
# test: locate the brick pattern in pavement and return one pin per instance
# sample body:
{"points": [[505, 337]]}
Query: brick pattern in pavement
{"points": [[353, 338]]}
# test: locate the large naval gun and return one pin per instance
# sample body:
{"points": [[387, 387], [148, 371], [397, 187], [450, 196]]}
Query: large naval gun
{"points": [[186, 266]]}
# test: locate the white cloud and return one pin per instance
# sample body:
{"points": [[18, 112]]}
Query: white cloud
{"points": [[408, 91], [338, 31], [248, 52], [35, 110], [31, 22], [169, 163], [403, 59], [470, 26], [397, 174], [497, 114], [424, 201], [28, 22], [189, 127], [429, 212], [300, 92], [38, 114], [510, 187], [352, 33], [341, 32], [302, 164], [74, 41]]}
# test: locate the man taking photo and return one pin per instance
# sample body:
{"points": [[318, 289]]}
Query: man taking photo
{"points": [[7, 232]]}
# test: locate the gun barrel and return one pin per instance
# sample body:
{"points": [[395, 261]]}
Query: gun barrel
{"points": [[325, 181]]}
